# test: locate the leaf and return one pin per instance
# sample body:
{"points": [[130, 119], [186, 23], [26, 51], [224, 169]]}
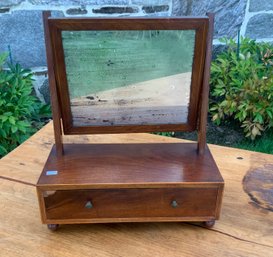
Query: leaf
{"points": [[12, 120], [248, 55], [8, 113], [22, 126], [215, 117], [241, 56], [248, 134], [259, 126], [3, 118], [258, 118], [214, 108], [255, 131], [23, 138], [14, 129], [3, 150], [3, 58], [3, 133], [269, 113]]}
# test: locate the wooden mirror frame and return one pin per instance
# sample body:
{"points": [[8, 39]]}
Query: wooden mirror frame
{"points": [[60, 101]]}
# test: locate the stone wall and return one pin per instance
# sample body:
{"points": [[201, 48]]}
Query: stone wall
{"points": [[258, 22], [252, 18], [21, 28]]}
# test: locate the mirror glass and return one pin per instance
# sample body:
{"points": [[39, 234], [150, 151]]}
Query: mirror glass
{"points": [[129, 77]]}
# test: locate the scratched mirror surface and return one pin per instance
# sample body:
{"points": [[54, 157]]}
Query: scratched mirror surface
{"points": [[129, 77]]}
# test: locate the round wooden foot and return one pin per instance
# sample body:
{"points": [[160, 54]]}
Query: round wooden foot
{"points": [[52, 227], [209, 223]]}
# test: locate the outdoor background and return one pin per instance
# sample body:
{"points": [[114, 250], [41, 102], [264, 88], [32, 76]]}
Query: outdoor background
{"points": [[250, 72], [21, 29]]}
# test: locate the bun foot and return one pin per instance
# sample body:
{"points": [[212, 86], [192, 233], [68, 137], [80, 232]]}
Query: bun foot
{"points": [[52, 227], [209, 223]]}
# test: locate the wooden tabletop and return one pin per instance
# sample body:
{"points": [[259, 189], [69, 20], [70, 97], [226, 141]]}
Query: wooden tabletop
{"points": [[245, 227]]}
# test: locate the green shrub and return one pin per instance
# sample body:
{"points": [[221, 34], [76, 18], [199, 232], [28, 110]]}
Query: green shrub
{"points": [[166, 134], [242, 85], [21, 113]]}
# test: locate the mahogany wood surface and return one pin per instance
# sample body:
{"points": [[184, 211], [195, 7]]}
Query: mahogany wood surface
{"points": [[130, 203], [129, 165], [243, 230], [151, 177], [54, 98], [204, 103]]}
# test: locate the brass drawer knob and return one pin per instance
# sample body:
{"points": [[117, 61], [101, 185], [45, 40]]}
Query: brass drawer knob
{"points": [[89, 205], [174, 204]]}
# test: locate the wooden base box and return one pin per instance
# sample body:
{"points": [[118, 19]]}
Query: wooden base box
{"points": [[129, 183]]}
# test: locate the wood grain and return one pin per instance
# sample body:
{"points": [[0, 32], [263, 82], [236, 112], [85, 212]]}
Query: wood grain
{"points": [[22, 234], [258, 184], [118, 204], [130, 166], [204, 103], [26, 161], [243, 230], [55, 105]]}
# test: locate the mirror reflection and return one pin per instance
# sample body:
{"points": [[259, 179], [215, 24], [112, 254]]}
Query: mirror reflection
{"points": [[129, 77]]}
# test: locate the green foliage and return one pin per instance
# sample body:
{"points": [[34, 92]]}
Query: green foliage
{"points": [[242, 86], [21, 114], [262, 144], [166, 134]]}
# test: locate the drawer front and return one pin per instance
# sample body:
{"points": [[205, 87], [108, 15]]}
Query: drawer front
{"points": [[130, 203]]}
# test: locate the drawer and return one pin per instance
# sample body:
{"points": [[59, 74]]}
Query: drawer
{"points": [[130, 203]]}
